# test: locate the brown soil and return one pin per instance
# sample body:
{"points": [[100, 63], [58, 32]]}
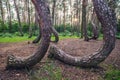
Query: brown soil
{"points": [[75, 47]]}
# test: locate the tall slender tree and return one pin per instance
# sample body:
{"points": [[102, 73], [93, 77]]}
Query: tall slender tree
{"points": [[2, 14], [9, 14], [83, 24], [18, 17]]}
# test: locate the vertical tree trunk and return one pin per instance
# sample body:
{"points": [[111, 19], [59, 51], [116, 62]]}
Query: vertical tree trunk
{"points": [[54, 22], [30, 28], [18, 17], [2, 14], [108, 21], [83, 25], [95, 28], [9, 14], [64, 16], [45, 22], [53, 11]]}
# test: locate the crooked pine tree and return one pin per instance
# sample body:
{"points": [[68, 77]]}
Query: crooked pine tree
{"points": [[107, 18], [46, 23]]}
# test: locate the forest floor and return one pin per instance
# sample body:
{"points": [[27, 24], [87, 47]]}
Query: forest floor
{"points": [[49, 69]]}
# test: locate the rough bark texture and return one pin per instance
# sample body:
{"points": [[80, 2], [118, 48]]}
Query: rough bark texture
{"points": [[55, 33], [45, 22], [108, 20]]}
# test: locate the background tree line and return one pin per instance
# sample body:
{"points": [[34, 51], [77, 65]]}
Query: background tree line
{"points": [[70, 17]]}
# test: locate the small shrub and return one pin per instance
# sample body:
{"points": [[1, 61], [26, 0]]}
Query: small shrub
{"points": [[7, 35], [112, 75]]}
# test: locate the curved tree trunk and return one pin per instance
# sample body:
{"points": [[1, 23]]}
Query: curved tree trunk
{"points": [[55, 33], [108, 20], [37, 39], [45, 22]]}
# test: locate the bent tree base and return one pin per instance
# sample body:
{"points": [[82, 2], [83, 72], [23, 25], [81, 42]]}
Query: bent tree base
{"points": [[55, 33], [108, 21], [45, 22]]}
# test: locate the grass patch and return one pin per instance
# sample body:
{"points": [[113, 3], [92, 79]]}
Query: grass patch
{"points": [[25, 38], [48, 71], [15, 39], [112, 74]]}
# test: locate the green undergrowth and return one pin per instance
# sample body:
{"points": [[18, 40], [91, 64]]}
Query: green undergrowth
{"points": [[25, 38], [47, 71], [111, 73]]}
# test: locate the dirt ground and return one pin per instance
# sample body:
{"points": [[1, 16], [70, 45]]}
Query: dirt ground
{"points": [[75, 47]]}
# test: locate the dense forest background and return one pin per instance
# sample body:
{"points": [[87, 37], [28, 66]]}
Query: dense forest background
{"points": [[19, 17]]}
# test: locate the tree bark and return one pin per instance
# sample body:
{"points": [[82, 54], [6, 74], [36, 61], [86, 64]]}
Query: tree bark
{"points": [[45, 22], [108, 21], [55, 33]]}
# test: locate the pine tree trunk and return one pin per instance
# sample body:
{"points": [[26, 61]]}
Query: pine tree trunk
{"points": [[30, 27], [83, 25], [108, 21], [45, 22], [18, 17], [2, 14], [9, 15]]}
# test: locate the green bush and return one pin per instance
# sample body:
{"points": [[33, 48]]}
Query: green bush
{"points": [[60, 28], [118, 26], [112, 75], [7, 35]]}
